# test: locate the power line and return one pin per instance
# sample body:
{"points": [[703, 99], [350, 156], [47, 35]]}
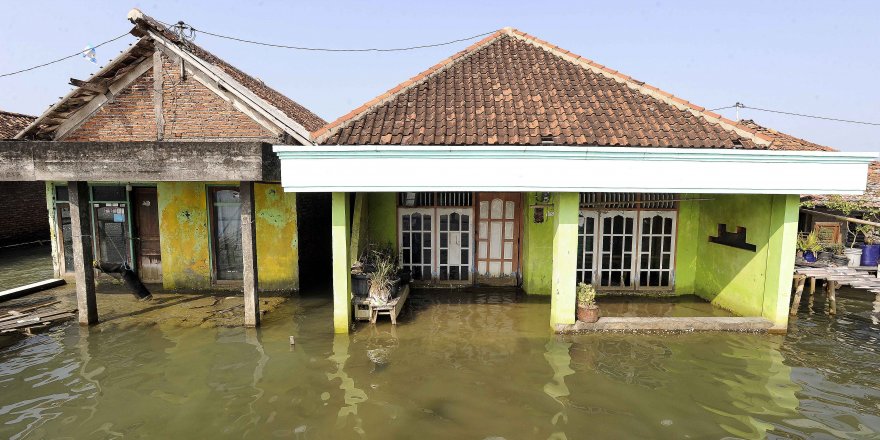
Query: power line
{"points": [[182, 25], [61, 59], [739, 105]]}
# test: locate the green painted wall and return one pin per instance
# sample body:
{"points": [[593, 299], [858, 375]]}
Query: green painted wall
{"points": [[687, 245], [537, 248], [382, 218], [277, 240], [745, 282], [341, 242], [185, 239]]}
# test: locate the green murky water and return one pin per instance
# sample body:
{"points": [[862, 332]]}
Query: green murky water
{"points": [[478, 365], [24, 265]]}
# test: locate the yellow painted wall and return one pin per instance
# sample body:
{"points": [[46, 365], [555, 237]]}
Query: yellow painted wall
{"points": [[185, 238], [277, 239]]}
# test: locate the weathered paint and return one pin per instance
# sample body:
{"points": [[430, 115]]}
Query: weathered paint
{"points": [[563, 282], [341, 233], [780, 261], [57, 255], [383, 218], [277, 239], [537, 248], [185, 242], [733, 278]]}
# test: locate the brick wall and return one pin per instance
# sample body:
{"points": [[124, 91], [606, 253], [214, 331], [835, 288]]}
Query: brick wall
{"points": [[24, 217], [190, 110]]}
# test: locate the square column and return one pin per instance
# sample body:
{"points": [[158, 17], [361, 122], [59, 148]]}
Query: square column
{"points": [[563, 280], [780, 259], [83, 253], [250, 276], [341, 233]]}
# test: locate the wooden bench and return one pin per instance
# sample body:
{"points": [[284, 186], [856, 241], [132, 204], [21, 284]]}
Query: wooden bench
{"points": [[392, 308]]}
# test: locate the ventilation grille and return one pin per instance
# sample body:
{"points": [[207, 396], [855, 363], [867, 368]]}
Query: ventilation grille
{"points": [[628, 200], [422, 199]]}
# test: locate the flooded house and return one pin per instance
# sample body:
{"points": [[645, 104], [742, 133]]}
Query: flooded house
{"points": [[24, 219], [162, 160], [518, 162]]}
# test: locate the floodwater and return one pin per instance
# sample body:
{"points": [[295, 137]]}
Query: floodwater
{"points": [[22, 265], [459, 365]]}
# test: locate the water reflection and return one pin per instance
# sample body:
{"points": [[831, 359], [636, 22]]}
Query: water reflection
{"points": [[352, 395], [559, 358]]}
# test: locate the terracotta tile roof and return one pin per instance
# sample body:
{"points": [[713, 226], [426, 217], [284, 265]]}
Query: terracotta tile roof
{"points": [[291, 108], [782, 141], [514, 89], [12, 123]]}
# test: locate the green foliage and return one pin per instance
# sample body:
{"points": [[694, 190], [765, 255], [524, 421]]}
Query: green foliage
{"points": [[586, 295], [836, 248], [853, 208], [809, 242], [383, 266]]}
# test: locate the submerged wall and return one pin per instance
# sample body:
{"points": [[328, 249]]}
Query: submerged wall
{"points": [[749, 283], [184, 223], [184, 235], [537, 247], [277, 238]]}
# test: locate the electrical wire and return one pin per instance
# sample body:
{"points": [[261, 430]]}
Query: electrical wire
{"points": [[182, 25], [61, 59], [825, 118]]}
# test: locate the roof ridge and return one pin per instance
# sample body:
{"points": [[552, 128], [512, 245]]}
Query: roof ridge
{"points": [[17, 114], [327, 130], [640, 86]]}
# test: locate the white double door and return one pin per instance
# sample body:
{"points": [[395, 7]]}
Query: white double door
{"points": [[627, 249], [437, 243]]}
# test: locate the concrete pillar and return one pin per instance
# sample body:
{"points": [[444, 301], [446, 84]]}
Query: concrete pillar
{"points": [[563, 279], [780, 260], [341, 232], [83, 253], [249, 256]]}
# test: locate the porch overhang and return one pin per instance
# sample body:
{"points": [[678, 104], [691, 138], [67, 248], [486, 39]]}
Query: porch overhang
{"points": [[383, 168], [137, 161]]}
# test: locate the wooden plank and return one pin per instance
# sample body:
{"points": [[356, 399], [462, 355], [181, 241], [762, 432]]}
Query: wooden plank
{"points": [[27, 289]]}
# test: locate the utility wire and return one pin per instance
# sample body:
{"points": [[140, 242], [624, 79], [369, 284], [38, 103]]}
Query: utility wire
{"points": [[182, 25], [825, 118], [61, 59]]}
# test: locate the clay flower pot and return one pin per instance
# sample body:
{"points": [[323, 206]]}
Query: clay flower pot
{"points": [[588, 314]]}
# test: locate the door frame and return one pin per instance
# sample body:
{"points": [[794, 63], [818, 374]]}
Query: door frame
{"points": [[136, 239], [517, 198]]}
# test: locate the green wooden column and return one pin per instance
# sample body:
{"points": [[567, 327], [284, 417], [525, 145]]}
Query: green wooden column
{"points": [[563, 281], [780, 259], [341, 232]]}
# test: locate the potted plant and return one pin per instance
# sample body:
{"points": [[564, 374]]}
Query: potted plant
{"points": [[810, 246], [384, 277], [871, 248], [839, 252], [587, 310]]}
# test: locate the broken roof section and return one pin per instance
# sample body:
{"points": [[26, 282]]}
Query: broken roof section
{"points": [[514, 89], [291, 117], [12, 123], [782, 141]]}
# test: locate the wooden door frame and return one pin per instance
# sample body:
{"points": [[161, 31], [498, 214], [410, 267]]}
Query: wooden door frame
{"points": [[516, 263], [135, 226]]}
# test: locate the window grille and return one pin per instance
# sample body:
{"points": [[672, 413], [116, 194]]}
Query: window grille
{"points": [[427, 199], [628, 200]]}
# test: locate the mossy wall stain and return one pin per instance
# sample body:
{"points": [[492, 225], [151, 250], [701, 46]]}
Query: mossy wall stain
{"points": [[185, 244], [277, 240]]}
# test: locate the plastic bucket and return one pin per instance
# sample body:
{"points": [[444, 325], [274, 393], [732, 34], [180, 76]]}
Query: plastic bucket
{"points": [[870, 253], [854, 255]]}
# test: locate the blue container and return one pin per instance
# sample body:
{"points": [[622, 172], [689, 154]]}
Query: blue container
{"points": [[809, 257], [870, 254]]}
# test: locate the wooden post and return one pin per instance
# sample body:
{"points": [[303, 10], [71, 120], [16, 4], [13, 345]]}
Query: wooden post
{"points": [[796, 301], [832, 296], [812, 286], [249, 256], [83, 253]]}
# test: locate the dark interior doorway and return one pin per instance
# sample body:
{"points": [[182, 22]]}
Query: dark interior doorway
{"points": [[315, 245]]}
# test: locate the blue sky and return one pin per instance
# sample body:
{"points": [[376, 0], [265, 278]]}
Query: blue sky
{"points": [[814, 57]]}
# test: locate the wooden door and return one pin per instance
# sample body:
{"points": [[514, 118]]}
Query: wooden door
{"points": [[146, 232], [498, 238]]}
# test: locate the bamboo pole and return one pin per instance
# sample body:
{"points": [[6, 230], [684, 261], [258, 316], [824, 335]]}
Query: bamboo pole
{"points": [[841, 217]]}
